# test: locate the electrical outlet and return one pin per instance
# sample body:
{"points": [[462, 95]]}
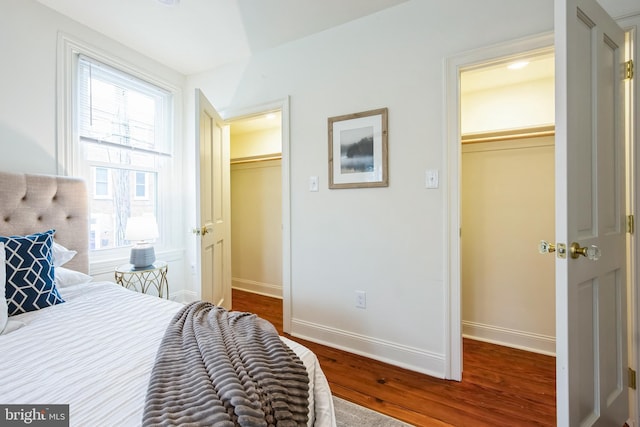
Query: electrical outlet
{"points": [[361, 299]]}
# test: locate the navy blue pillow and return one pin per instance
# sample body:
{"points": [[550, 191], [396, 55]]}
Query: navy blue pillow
{"points": [[30, 274]]}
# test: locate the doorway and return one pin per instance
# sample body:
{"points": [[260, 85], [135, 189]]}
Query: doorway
{"points": [[453, 257], [281, 105], [508, 201], [256, 203], [454, 67]]}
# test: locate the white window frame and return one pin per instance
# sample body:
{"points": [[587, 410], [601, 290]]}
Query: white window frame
{"points": [[68, 152]]}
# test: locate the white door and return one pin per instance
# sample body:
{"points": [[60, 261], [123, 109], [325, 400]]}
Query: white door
{"points": [[212, 137], [591, 339]]}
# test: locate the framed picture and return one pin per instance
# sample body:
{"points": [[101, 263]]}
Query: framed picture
{"points": [[358, 150]]}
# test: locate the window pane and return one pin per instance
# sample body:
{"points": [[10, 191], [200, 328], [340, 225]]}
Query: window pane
{"points": [[118, 108], [109, 216], [101, 175], [141, 184], [102, 189], [101, 182]]}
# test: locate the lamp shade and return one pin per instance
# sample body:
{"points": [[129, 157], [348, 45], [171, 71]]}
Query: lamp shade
{"points": [[141, 228]]}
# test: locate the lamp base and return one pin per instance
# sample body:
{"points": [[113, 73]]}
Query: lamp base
{"points": [[142, 256]]}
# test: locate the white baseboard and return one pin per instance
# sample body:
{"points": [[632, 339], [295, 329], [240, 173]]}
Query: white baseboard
{"points": [[267, 289], [536, 343], [407, 357]]}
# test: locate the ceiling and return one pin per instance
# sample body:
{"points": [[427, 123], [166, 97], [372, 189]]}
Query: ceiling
{"points": [[197, 35]]}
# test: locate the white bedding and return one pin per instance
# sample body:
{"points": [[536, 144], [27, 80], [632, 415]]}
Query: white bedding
{"points": [[95, 352]]}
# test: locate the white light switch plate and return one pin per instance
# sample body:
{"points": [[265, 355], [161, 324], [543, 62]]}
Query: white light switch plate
{"points": [[431, 178], [313, 183]]}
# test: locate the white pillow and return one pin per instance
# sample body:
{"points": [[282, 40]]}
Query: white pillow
{"points": [[61, 255], [65, 277], [6, 325], [4, 309]]}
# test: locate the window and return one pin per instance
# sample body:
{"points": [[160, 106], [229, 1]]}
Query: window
{"points": [[140, 185], [123, 146], [101, 183]]}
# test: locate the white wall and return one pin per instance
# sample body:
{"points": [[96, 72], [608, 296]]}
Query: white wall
{"points": [[28, 122], [389, 242], [259, 143], [518, 106]]}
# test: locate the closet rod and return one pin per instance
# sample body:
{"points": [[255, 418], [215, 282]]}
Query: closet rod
{"points": [[254, 159], [505, 135]]}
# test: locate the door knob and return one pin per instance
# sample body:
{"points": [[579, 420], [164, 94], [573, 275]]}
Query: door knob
{"points": [[200, 231], [592, 252], [545, 247]]}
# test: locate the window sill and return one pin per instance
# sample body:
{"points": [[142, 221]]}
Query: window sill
{"points": [[107, 265]]}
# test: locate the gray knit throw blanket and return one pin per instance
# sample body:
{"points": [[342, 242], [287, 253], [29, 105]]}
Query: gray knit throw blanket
{"points": [[221, 368]]}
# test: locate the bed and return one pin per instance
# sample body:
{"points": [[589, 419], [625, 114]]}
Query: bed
{"points": [[96, 350]]}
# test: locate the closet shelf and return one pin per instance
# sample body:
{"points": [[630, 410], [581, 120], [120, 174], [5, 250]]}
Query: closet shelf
{"points": [[509, 134]]}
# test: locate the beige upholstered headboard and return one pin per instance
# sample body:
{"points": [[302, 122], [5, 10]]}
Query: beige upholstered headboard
{"points": [[37, 203]]}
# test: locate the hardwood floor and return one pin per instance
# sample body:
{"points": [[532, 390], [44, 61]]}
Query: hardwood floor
{"points": [[500, 386]]}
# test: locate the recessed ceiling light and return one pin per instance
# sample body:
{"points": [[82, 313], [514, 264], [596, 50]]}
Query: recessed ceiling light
{"points": [[517, 65]]}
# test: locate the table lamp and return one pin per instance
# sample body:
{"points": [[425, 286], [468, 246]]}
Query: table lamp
{"points": [[140, 230]]}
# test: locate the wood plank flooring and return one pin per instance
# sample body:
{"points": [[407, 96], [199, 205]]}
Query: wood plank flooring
{"points": [[500, 386]]}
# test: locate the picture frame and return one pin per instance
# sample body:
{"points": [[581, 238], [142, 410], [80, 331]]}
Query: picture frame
{"points": [[358, 150]]}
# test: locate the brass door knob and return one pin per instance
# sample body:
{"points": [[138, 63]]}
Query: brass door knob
{"points": [[200, 231], [592, 252]]}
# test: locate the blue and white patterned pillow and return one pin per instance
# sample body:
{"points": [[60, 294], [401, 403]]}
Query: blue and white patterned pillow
{"points": [[30, 273], [4, 310]]}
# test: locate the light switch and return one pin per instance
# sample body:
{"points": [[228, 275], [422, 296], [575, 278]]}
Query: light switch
{"points": [[313, 183], [431, 178]]}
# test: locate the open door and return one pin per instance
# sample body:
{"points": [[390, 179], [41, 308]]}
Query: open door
{"points": [[213, 199], [591, 338]]}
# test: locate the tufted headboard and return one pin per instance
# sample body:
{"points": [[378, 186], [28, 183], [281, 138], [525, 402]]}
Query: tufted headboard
{"points": [[36, 203]]}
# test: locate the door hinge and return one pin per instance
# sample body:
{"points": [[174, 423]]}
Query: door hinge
{"points": [[628, 69], [632, 379], [631, 225]]}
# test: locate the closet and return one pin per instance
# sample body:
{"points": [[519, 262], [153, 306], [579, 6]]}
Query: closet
{"points": [[507, 201], [256, 204]]}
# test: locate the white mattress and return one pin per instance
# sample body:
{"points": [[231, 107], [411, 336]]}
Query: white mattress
{"points": [[95, 352]]}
